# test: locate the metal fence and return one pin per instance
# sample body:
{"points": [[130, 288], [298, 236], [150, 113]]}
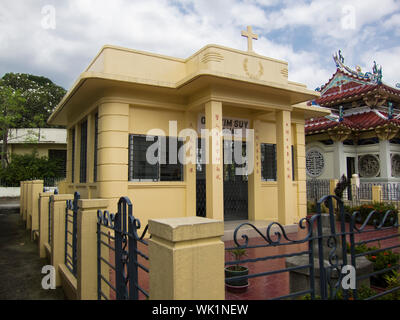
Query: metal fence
{"points": [[316, 188], [316, 259], [71, 234], [48, 182], [119, 248]]}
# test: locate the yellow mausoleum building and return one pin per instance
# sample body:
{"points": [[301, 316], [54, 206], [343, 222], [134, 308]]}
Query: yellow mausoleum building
{"points": [[124, 94]]}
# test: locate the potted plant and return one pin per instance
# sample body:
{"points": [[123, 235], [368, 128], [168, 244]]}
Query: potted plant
{"points": [[237, 270]]}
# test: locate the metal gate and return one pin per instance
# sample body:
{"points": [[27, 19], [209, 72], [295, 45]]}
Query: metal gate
{"points": [[235, 185], [118, 253], [323, 252]]}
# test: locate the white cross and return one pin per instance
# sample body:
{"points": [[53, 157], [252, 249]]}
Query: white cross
{"points": [[250, 36]]}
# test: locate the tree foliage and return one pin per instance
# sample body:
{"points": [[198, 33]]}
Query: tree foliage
{"points": [[30, 167], [12, 107], [26, 101], [41, 98]]}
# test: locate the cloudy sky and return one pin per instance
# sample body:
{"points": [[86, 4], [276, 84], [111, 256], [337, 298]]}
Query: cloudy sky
{"points": [[58, 39]]}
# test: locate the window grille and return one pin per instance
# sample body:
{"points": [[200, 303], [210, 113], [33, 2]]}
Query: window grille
{"points": [[268, 162], [83, 155], [163, 169], [96, 143], [73, 155]]}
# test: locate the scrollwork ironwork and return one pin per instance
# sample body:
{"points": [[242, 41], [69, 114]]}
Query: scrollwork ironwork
{"points": [[280, 234]]}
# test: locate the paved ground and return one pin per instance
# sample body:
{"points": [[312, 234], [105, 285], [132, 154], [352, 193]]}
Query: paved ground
{"points": [[20, 265]]}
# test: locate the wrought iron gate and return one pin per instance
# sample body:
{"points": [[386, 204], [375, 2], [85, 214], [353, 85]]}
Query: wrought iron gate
{"points": [[328, 245], [117, 253], [235, 186]]}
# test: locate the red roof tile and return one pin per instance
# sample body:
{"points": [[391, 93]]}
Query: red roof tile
{"points": [[353, 87], [360, 121]]}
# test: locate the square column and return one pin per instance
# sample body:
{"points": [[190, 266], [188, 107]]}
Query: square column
{"points": [[186, 259], [339, 160], [214, 166], [58, 205], [284, 168], [300, 169], [254, 183], [43, 222], [37, 188], [87, 248], [385, 160], [190, 166]]}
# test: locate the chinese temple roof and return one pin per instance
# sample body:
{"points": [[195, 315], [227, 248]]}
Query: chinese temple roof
{"points": [[354, 89], [348, 85], [343, 87], [356, 122]]}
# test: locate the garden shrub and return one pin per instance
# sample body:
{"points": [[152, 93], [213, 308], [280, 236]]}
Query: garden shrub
{"points": [[366, 209], [29, 167], [381, 260]]}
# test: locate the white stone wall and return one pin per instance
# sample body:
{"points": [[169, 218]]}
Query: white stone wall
{"points": [[10, 192]]}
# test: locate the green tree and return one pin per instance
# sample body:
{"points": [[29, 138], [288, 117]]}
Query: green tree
{"points": [[12, 107], [41, 94], [26, 101]]}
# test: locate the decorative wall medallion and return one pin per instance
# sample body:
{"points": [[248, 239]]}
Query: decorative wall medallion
{"points": [[396, 165], [368, 166], [212, 56], [315, 163], [253, 75]]}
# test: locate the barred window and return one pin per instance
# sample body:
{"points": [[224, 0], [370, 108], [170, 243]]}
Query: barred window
{"points": [[163, 169], [171, 169], [83, 155], [96, 143], [268, 162], [73, 155]]}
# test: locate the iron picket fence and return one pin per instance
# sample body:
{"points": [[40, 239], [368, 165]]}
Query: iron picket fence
{"points": [[118, 253], [316, 188], [71, 234], [381, 224], [323, 250]]}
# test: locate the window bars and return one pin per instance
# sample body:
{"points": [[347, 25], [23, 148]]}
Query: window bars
{"points": [[83, 154]]}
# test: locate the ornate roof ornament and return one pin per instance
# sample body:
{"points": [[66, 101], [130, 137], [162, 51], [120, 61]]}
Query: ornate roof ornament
{"points": [[340, 113], [375, 77], [390, 110]]}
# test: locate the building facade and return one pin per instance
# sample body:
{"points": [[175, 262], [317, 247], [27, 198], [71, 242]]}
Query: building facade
{"points": [[127, 101], [47, 142], [361, 135]]}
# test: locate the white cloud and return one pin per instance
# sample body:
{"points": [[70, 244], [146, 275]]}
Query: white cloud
{"points": [[181, 27], [389, 59]]}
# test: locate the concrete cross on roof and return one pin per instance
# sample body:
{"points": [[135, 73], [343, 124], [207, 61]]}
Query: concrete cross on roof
{"points": [[250, 36]]}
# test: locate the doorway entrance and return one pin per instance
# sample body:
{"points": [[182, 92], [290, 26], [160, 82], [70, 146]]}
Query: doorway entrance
{"points": [[351, 169], [235, 184]]}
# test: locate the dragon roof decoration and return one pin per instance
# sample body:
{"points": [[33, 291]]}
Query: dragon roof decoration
{"points": [[373, 78]]}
